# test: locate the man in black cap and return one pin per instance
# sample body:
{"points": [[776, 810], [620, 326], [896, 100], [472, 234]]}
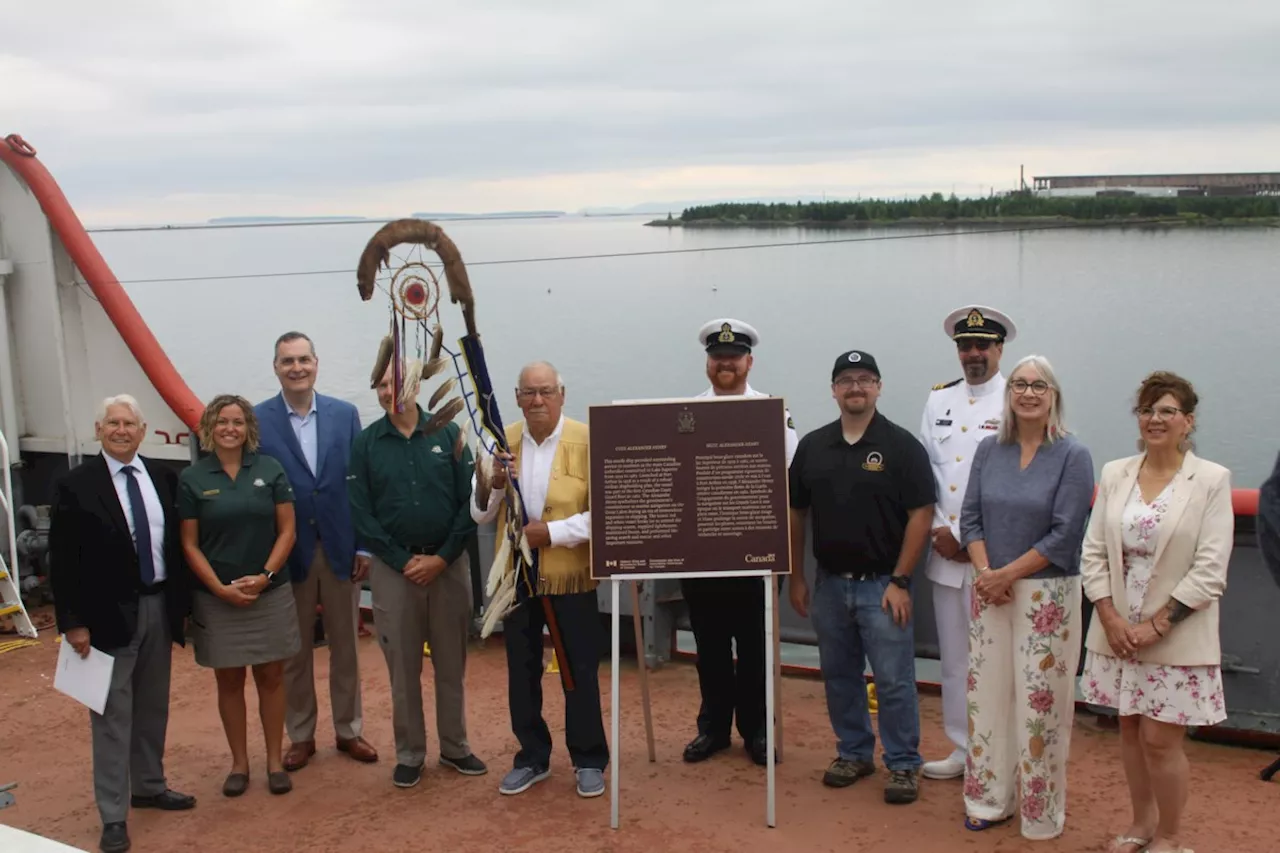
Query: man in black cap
{"points": [[729, 612], [868, 484]]}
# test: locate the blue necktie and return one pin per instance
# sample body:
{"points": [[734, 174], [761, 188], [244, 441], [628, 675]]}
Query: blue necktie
{"points": [[141, 526]]}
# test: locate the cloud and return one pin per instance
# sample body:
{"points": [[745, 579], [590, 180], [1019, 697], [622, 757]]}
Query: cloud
{"points": [[159, 110]]}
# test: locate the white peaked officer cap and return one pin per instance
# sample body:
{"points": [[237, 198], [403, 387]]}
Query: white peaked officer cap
{"points": [[728, 335], [979, 321]]}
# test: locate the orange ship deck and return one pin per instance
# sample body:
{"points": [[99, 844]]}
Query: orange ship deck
{"points": [[338, 805]]}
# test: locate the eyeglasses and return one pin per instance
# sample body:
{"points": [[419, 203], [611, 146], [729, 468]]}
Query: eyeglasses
{"points": [[1020, 386], [1165, 412], [860, 381], [530, 393]]}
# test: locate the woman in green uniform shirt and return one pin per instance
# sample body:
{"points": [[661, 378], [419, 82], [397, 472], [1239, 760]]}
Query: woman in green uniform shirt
{"points": [[237, 516]]}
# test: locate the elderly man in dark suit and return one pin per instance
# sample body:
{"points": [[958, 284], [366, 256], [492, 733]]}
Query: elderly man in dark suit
{"points": [[311, 434], [119, 584]]}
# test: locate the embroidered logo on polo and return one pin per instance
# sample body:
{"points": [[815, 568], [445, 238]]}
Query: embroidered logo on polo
{"points": [[259, 482], [436, 449], [875, 462]]}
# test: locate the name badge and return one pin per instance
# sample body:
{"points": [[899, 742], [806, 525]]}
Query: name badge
{"points": [[210, 492], [942, 422]]}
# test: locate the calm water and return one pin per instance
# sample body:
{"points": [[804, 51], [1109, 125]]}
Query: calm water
{"points": [[1106, 307]]}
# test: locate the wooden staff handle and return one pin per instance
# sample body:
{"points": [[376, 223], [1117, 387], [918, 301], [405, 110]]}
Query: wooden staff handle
{"points": [[557, 643]]}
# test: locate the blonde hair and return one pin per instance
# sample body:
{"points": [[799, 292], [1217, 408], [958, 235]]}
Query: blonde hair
{"points": [[1056, 427], [210, 417]]}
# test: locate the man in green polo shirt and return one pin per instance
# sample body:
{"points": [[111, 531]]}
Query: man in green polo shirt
{"points": [[409, 501]]}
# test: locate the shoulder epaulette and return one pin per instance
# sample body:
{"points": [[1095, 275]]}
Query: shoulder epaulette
{"points": [[942, 385]]}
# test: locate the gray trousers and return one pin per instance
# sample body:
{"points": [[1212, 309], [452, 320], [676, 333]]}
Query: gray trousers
{"points": [[407, 615], [128, 737], [341, 601]]}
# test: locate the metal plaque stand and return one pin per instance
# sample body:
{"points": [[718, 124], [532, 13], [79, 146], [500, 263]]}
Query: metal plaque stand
{"points": [[767, 577]]}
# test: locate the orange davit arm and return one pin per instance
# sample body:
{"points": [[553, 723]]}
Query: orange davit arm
{"points": [[21, 158]]}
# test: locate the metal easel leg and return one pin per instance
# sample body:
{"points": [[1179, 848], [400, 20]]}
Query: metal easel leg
{"points": [[613, 673], [770, 816]]}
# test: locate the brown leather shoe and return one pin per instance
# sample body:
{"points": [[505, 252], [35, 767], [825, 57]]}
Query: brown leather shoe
{"points": [[358, 748], [298, 755]]}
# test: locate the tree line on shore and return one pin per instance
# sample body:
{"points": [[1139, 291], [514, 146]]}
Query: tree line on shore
{"points": [[1014, 205]]}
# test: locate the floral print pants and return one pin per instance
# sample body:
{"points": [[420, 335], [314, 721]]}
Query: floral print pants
{"points": [[1021, 698]]}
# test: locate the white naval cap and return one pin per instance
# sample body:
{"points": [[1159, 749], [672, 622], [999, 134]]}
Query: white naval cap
{"points": [[727, 334], [979, 321]]}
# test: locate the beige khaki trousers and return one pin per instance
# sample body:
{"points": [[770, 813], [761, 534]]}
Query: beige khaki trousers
{"points": [[407, 615], [341, 602]]}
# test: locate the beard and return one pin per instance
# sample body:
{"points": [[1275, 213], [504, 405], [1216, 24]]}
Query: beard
{"points": [[726, 378], [855, 404], [975, 369]]}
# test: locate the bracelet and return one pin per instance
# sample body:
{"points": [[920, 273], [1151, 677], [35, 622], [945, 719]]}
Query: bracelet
{"points": [[1154, 628]]}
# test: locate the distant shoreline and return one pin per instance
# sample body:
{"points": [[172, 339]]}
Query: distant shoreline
{"points": [[1063, 221]]}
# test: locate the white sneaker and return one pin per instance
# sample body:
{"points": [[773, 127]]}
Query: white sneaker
{"points": [[951, 767]]}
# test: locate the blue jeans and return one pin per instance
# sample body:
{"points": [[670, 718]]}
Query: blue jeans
{"points": [[852, 628]]}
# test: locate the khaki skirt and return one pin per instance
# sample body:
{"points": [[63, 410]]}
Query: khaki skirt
{"points": [[226, 636]]}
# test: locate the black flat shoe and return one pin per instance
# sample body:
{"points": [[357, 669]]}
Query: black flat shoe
{"points": [[279, 782], [170, 801], [236, 784]]}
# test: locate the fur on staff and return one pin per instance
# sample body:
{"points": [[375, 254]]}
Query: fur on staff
{"points": [[377, 255]]}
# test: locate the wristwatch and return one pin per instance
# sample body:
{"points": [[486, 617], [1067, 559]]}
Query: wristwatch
{"points": [[268, 575], [900, 581]]}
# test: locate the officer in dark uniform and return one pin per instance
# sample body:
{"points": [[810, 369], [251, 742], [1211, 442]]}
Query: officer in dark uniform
{"points": [[729, 612]]}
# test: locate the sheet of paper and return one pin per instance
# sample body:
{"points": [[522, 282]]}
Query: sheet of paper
{"points": [[84, 679]]}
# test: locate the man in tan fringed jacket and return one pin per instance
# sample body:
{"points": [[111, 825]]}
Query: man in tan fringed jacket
{"points": [[550, 462]]}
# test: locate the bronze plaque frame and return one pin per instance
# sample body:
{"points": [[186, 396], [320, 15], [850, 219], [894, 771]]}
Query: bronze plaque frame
{"points": [[690, 486]]}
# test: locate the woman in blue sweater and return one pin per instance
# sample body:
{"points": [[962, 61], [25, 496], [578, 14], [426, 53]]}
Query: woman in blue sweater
{"points": [[1023, 522]]}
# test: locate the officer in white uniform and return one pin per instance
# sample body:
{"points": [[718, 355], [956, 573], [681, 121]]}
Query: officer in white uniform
{"points": [[724, 612], [957, 416]]}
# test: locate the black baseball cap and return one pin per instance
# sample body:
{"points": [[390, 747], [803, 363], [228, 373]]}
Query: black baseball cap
{"points": [[852, 359]]}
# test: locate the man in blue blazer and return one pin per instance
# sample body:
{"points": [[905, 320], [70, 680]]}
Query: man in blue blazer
{"points": [[311, 435]]}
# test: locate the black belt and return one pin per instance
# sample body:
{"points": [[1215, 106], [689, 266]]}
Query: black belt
{"points": [[154, 589], [428, 550], [862, 576]]}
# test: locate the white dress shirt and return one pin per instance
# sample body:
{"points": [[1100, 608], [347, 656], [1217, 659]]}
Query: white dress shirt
{"points": [[150, 499], [534, 479]]}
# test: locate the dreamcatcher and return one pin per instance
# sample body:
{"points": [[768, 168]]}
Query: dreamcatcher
{"points": [[414, 348]]}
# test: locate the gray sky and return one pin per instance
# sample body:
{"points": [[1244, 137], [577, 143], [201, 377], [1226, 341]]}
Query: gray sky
{"points": [[163, 111]]}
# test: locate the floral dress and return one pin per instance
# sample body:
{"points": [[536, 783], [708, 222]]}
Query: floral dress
{"points": [[1183, 695]]}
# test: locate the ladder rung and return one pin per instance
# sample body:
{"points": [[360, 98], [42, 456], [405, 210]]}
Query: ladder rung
{"points": [[8, 609], [4, 576]]}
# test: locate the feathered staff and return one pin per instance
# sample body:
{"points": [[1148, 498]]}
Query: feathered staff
{"points": [[414, 293]]}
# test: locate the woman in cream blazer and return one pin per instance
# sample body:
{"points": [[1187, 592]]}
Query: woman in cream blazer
{"points": [[1154, 564]]}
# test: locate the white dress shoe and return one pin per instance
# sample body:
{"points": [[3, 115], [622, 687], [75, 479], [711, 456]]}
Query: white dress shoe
{"points": [[951, 767]]}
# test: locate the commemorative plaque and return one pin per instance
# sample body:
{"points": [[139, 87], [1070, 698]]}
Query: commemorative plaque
{"points": [[687, 486]]}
